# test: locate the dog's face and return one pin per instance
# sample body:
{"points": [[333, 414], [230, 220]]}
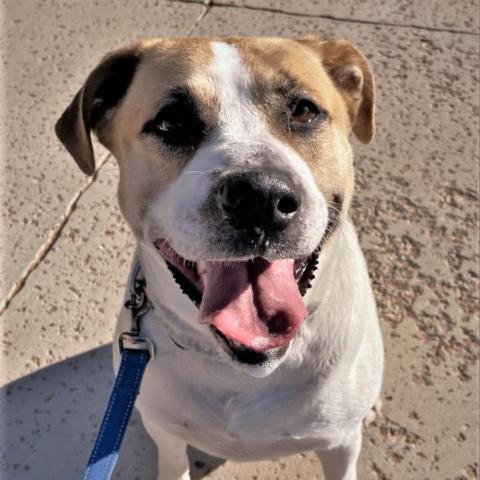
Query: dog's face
{"points": [[235, 166]]}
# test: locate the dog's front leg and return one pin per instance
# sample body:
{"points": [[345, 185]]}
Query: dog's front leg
{"points": [[340, 463], [172, 453]]}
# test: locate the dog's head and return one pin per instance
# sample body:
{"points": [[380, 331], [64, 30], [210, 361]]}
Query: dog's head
{"points": [[235, 165]]}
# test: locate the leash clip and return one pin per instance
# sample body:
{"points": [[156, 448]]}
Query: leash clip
{"points": [[131, 341], [139, 305]]}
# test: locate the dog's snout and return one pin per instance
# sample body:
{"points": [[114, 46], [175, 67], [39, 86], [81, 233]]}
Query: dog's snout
{"points": [[259, 200]]}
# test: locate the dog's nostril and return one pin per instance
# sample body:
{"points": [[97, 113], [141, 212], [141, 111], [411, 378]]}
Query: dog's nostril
{"points": [[287, 205], [278, 325]]}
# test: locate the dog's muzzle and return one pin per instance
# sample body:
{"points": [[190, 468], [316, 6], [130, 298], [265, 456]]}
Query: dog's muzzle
{"points": [[250, 295]]}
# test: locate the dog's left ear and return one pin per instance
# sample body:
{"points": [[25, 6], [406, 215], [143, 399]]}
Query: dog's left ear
{"points": [[352, 75], [103, 90]]}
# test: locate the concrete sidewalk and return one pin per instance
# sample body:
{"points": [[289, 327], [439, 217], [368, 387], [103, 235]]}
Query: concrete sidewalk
{"points": [[416, 209]]}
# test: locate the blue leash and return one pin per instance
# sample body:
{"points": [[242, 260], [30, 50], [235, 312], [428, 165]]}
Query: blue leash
{"points": [[135, 354]]}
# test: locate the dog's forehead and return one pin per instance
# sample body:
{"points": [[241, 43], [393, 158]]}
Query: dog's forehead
{"points": [[205, 66]]}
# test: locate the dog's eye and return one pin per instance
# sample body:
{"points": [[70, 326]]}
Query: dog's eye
{"points": [[305, 113], [167, 126], [178, 123]]}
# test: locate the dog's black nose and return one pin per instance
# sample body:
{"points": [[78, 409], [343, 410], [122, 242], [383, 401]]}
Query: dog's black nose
{"points": [[259, 200]]}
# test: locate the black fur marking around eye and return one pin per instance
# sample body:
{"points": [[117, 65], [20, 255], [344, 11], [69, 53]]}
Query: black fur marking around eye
{"points": [[178, 123], [113, 87]]}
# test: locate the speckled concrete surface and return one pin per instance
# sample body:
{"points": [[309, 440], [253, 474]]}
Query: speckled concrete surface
{"points": [[416, 209], [435, 14]]}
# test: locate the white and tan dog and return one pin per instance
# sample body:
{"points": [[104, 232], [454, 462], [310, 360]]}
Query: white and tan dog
{"points": [[236, 176]]}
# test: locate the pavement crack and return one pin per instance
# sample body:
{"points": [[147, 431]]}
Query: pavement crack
{"points": [[52, 238], [207, 5], [334, 18]]}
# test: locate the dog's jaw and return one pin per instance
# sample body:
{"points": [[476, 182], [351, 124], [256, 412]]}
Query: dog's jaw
{"points": [[178, 314], [270, 335]]}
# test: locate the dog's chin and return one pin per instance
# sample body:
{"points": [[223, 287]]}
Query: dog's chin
{"points": [[256, 364], [253, 308], [267, 367]]}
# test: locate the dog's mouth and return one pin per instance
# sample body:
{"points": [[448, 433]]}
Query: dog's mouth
{"points": [[253, 307]]}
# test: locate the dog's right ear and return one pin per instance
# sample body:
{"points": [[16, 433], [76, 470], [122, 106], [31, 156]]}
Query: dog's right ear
{"points": [[102, 92], [352, 75]]}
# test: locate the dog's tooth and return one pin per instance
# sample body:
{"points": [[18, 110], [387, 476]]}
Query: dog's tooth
{"points": [[202, 267]]}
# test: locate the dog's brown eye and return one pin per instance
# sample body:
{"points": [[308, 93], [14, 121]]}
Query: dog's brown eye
{"points": [[305, 115], [305, 112]]}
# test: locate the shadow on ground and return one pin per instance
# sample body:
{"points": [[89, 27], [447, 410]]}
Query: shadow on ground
{"points": [[51, 418]]}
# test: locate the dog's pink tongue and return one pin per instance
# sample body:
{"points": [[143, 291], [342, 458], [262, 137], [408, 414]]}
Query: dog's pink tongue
{"points": [[256, 303]]}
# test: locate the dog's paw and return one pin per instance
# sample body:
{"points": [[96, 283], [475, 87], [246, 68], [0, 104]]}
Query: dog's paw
{"points": [[373, 413]]}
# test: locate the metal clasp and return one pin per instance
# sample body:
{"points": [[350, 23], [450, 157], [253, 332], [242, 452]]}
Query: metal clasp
{"points": [[129, 341], [139, 305]]}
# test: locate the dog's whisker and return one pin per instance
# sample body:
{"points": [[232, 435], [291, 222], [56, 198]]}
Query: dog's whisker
{"points": [[199, 172], [196, 172]]}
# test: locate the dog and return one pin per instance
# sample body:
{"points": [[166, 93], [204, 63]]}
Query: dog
{"points": [[236, 176]]}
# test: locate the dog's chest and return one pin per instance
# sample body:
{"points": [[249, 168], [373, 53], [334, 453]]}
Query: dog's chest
{"points": [[244, 423]]}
